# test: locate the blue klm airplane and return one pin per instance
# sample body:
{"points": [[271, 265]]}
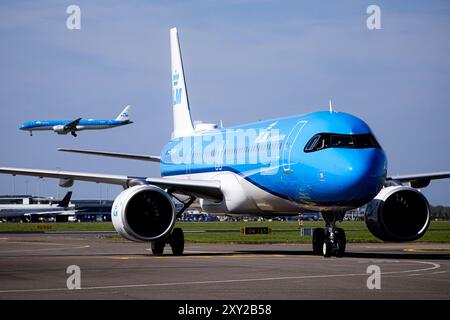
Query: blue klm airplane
{"points": [[72, 126], [323, 161]]}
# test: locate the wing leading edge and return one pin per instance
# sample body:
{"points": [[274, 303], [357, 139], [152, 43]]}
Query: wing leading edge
{"points": [[420, 180], [114, 154]]}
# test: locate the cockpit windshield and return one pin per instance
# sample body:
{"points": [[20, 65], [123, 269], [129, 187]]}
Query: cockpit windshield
{"points": [[351, 141]]}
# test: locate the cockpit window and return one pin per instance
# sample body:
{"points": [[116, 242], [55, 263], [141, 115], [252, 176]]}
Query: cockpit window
{"points": [[350, 141], [341, 141]]}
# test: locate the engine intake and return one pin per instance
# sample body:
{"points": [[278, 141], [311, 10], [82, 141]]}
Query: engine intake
{"points": [[398, 214], [143, 213]]}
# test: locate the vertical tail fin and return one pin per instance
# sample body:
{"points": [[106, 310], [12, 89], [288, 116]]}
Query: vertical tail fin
{"points": [[65, 202], [124, 115], [182, 122]]}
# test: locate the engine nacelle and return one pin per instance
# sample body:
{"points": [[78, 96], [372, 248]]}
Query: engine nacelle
{"points": [[398, 214], [143, 213], [59, 129]]}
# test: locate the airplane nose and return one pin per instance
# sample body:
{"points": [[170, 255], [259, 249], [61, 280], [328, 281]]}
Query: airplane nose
{"points": [[362, 174], [355, 176]]}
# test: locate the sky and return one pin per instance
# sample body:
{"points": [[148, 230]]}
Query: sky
{"points": [[244, 60]]}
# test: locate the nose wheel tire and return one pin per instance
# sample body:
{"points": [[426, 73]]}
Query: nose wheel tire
{"points": [[327, 245], [177, 241], [327, 248]]}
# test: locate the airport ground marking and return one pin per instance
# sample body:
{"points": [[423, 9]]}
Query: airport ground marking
{"points": [[149, 285], [45, 249], [426, 250]]}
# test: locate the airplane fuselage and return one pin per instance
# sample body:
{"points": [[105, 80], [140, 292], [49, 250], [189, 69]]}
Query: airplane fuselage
{"points": [[82, 125], [345, 174], [20, 210]]}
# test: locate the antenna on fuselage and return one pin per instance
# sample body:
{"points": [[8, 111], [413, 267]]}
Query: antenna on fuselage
{"points": [[331, 106]]}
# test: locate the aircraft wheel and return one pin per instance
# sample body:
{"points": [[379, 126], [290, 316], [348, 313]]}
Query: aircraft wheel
{"points": [[177, 241], [158, 247], [340, 242], [327, 248], [317, 240]]}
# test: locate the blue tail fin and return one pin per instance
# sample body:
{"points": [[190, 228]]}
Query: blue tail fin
{"points": [[65, 202]]}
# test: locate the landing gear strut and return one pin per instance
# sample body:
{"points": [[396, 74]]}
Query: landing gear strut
{"points": [[331, 240], [176, 241], [73, 133]]}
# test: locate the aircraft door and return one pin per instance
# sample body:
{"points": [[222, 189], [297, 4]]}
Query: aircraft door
{"points": [[289, 143]]}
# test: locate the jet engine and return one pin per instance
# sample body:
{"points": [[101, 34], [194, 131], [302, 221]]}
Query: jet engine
{"points": [[59, 129], [398, 213], [143, 213]]}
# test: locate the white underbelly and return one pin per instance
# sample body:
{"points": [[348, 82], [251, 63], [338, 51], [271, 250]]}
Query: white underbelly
{"points": [[243, 197]]}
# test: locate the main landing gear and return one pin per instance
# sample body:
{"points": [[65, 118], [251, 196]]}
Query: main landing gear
{"points": [[176, 241], [330, 240], [73, 133]]}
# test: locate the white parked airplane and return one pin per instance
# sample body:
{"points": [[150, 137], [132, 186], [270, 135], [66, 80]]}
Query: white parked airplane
{"points": [[33, 209], [323, 161]]}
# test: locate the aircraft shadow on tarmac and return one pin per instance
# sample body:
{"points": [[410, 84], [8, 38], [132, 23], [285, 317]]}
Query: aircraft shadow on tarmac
{"points": [[365, 255]]}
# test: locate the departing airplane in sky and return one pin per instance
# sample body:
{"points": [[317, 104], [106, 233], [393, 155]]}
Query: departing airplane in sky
{"points": [[33, 208], [324, 161], [72, 126]]}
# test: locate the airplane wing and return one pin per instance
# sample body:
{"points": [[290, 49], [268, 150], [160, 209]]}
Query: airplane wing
{"points": [[115, 155], [72, 125], [420, 180], [198, 188], [53, 213]]}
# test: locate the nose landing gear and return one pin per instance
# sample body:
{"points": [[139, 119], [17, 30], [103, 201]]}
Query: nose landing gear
{"points": [[331, 240]]}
